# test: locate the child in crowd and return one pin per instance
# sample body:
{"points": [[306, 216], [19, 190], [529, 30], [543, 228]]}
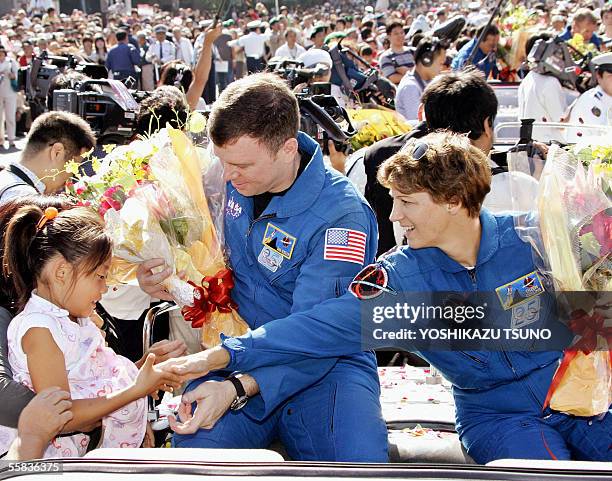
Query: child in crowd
{"points": [[58, 263]]}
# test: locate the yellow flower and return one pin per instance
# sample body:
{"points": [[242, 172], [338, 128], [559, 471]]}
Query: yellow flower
{"points": [[88, 153], [72, 167], [108, 148], [95, 164], [197, 122]]}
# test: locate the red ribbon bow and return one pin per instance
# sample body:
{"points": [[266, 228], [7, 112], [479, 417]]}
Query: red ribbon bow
{"points": [[588, 327], [213, 295]]}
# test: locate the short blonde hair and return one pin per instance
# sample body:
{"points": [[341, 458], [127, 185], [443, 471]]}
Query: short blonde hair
{"points": [[449, 169]]}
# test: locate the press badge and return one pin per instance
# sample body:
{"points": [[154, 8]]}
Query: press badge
{"points": [[279, 241], [520, 291]]}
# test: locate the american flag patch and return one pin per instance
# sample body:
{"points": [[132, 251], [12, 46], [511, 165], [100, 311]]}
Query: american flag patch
{"points": [[345, 245]]}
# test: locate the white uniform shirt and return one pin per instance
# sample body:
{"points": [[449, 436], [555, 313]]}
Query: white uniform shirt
{"points": [[8, 67], [168, 52], [593, 107], [254, 44], [293, 53], [184, 50], [542, 98]]}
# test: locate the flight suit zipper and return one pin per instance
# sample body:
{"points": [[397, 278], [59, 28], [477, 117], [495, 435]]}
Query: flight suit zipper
{"points": [[472, 274], [263, 217], [516, 376]]}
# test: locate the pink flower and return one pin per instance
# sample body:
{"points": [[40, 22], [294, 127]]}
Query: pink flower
{"points": [[104, 206]]}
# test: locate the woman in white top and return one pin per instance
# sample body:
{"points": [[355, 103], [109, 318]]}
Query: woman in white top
{"points": [[8, 97]]}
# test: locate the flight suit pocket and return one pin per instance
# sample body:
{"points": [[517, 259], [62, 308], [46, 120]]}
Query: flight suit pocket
{"points": [[308, 422]]}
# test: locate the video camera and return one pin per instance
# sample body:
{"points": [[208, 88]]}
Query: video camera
{"points": [[321, 116], [107, 105], [323, 119], [553, 57], [294, 71]]}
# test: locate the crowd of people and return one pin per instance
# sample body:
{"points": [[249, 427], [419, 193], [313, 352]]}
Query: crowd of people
{"points": [[299, 375], [399, 41]]}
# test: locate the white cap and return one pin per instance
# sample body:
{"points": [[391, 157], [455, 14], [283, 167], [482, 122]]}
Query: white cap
{"points": [[419, 24], [315, 56], [600, 60], [254, 24], [369, 9]]}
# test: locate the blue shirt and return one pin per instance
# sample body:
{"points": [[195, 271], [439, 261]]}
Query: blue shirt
{"points": [[567, 35], [123, 57], [481, 60], [281, 267]]}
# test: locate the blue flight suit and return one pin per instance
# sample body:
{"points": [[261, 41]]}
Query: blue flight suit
{"points": [[315, 406], [498, 395]]}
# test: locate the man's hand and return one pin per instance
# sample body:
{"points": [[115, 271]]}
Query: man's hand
{"points": [[336, 158], [212, 34], [40, 421], [213, 399], [198, 364], [187, 367], [163, 351], [152, 283]]}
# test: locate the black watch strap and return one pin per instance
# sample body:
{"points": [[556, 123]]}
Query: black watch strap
{"points": [[241, 397], [240, 392]]}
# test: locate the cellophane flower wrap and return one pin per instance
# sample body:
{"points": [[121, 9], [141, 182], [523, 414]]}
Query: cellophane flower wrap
{"points": [[571, 234], [151, 196]]}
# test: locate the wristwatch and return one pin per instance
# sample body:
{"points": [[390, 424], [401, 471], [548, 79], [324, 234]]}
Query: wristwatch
{"points": [[241, 396]]}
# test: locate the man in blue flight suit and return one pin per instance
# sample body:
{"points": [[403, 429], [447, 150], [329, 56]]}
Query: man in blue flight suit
{"points": [[438, 189], [296, 233]]}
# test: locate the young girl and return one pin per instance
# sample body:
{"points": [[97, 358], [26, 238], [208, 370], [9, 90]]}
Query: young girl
{"points": [[58, 263]]}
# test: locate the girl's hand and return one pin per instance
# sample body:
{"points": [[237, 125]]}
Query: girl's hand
{"points": [[151, 379]]}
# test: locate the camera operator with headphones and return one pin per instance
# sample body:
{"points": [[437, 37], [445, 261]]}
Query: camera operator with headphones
{"points": [[429, 56]]}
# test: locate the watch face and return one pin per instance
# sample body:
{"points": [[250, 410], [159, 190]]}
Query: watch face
{"points": [[239, 403]]}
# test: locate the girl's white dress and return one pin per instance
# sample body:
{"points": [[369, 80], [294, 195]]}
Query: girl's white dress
{"points": [[92, 369]]}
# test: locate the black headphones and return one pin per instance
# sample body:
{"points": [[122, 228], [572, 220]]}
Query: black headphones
{"points": [[427, 48]]}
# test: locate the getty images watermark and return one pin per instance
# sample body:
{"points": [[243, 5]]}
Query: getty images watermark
{"points": [[473, 321], [460, 314]]}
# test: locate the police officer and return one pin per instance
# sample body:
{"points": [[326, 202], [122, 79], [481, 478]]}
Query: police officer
{"points": [[594, 107], [160, 51], [454, 246], [296, 232]]}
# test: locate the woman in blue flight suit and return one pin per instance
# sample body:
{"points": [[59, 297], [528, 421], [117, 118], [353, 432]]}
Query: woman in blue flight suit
{"points": [[438, 190]]}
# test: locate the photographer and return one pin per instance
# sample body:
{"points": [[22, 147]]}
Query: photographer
{"points": [[540, 95], [54, 139], [321, 61]]}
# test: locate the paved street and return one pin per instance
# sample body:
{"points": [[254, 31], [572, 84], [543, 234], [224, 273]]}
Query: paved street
{"points": [[7, 155]]}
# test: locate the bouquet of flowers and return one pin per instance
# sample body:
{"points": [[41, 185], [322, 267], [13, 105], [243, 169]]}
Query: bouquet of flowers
{"points": [[151, 196], [581, 48], [373, 125], [573, 244]]}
